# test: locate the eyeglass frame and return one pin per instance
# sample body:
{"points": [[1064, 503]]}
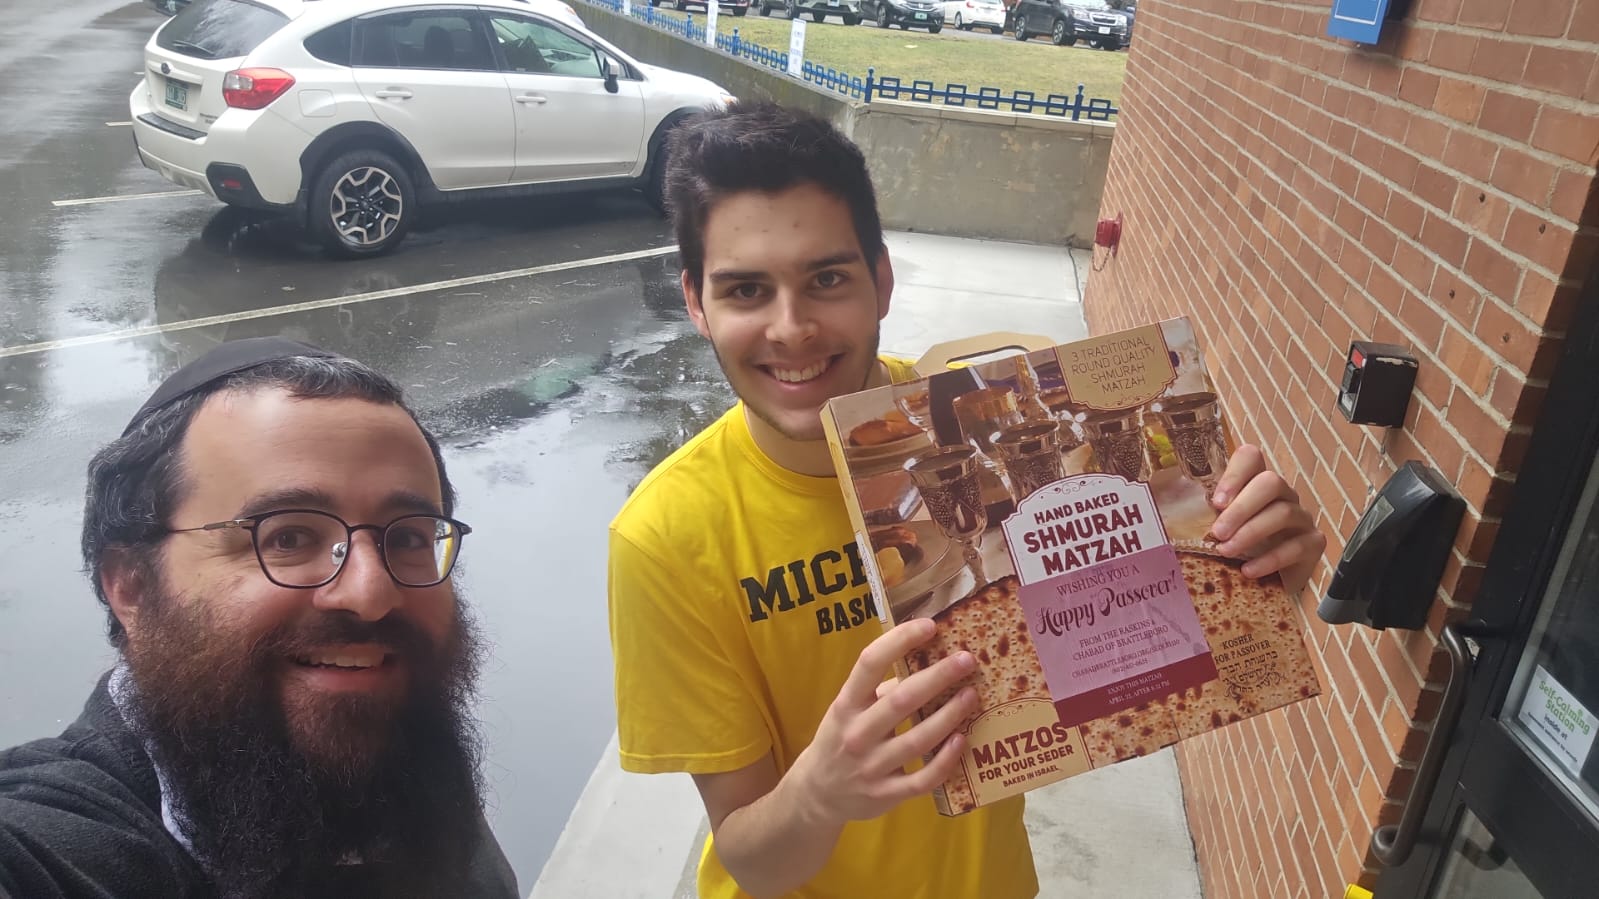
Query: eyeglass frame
{"points": [[251, 522]]}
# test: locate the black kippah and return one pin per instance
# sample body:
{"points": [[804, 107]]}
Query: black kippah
{"points": [[229, 358]]}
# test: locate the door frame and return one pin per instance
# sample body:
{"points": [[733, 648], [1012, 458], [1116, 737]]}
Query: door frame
{"points": [[1554, 841]]}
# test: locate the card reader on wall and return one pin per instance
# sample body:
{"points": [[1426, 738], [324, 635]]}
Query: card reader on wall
{"points": [[1391, 567]]}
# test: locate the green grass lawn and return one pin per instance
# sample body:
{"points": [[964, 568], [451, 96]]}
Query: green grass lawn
{"points": [[946, 57]]}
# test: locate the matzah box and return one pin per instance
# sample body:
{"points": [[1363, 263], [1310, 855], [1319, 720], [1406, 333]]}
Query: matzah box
{"points": [[1050, 510]]}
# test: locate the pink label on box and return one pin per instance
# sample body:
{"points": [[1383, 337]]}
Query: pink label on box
{"points": [[1105, 599]]}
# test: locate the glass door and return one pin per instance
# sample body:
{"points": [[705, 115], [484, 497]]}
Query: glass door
{"points": [[1506, 801]]}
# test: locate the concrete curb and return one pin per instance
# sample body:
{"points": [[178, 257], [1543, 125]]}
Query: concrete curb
{"points": [[627, 838]]}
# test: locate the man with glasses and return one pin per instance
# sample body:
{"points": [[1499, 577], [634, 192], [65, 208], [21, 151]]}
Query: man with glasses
{"points": [[290, 713]]}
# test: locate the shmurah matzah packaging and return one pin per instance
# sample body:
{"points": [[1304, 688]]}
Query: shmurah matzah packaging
{"points": [[1050, 510]]}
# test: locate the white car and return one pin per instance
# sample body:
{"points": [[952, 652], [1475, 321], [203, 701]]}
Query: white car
{"points": [[354, 114], [969, 14]]}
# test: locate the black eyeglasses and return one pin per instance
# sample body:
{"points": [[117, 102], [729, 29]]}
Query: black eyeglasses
{"points": [[305, 548]]}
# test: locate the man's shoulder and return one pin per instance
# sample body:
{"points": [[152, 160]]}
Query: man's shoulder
{"points": [[87, 767], [687, 483], [77, 808]]}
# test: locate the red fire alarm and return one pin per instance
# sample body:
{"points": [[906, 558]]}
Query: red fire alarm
{"points": [[1108, 233]]}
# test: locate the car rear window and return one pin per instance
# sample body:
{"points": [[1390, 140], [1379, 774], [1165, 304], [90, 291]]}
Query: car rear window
{"points": [[332, 44], [219, 29]]}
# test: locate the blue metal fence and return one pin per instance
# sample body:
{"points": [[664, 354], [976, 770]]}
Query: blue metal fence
{"points": [[1078, 107], [887, 87]]}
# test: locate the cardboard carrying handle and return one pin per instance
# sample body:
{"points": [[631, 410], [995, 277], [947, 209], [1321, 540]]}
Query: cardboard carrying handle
{"points": [[939, 356]]}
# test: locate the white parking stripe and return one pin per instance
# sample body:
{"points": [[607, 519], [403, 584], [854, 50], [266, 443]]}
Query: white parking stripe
{"points": [[159, 195], [118, 124], [27, 349]]}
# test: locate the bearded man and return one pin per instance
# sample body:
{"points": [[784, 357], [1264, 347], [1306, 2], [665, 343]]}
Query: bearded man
{"points": [[290, 714]]}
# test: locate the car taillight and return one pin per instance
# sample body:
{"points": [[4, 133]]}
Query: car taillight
{"points": [[254, 88]]}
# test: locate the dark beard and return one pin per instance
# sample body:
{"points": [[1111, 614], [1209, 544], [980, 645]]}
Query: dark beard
{"points": [[395, 784]]}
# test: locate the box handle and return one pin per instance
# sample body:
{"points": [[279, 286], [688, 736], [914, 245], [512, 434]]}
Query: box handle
{"points": [[940, 355]]}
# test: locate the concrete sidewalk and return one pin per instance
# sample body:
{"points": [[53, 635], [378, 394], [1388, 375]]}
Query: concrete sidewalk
{"points": [[1120, 831]]}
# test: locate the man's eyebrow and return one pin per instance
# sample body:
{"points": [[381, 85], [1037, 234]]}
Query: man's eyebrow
{"points": [[843, 257], [286, 498], [407, 502], [724, 276], [399, 501]]}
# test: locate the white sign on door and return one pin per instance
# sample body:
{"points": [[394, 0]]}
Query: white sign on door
{"points": [[711, 10], [796, 48], [1561, 723]]}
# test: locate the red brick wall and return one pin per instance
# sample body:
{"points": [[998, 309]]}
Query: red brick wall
{"points": [[1292, 193]]}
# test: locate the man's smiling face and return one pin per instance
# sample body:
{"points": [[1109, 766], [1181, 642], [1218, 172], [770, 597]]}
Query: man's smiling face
{"points": [[251, 453], [297, 726], [789, 303]]}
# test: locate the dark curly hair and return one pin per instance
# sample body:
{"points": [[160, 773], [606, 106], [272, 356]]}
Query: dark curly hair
{"points": [[138, 479], [767, 148]]}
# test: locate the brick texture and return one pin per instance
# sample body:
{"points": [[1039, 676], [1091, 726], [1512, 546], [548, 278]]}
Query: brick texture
{"points": [[1291, 193]]}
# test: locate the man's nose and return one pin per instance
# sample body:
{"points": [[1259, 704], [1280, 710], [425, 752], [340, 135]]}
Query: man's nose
{"points": [[792, 321], [363, 584]]}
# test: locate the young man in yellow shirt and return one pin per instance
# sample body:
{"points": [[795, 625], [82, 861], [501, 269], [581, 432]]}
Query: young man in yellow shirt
{"points": [[748, 648]]}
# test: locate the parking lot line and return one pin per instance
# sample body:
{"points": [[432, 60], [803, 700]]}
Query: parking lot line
{"points": [[158, 195], [28, 349]]}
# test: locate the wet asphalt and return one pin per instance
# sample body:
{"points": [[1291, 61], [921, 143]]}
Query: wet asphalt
{"points": [[553, 391]]}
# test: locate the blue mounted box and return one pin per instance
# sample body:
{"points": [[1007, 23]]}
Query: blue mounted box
{"points": [[1358, 20]]}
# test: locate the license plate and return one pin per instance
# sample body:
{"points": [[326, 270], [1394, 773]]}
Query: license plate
{"points": [[1104, 29], [921, 16], [177, 94]]}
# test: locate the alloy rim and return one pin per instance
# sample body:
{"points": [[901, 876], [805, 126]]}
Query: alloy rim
{"points": [[366, 206]]}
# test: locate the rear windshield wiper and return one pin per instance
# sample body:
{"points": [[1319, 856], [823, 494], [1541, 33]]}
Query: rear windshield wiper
{"points": [[200, 51]]}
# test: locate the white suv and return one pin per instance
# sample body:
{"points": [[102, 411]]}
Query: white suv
{"points": [[352, 114]]}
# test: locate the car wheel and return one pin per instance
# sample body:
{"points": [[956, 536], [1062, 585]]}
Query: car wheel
{"points": [[766, 10], [882, 16], [362, 204], [818, 16], [852, 20], [1021, 30], [741, 11], [934, 29], [654, 186], [997, 29], [1057, 33], [959, 24]]}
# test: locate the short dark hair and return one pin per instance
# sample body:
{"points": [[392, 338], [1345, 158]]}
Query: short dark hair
{"points": [[138, 479], [767, 148]]}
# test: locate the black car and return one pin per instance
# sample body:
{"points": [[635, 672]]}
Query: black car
{"points": [[1068, 21], [1128, 8], [818, 10], [927, 14]]}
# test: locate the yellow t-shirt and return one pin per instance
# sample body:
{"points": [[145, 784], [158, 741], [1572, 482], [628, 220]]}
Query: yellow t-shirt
{"points": [[738, 606]]}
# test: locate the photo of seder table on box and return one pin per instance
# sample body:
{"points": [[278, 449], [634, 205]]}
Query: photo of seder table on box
{"points": [[1049, 510]]}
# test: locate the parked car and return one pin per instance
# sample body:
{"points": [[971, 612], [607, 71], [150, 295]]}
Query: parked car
{"points": [[1069, 21], [818, 10], [905, 13], [354, 115], [736, 7], [1128, 8], [969, 14]]}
